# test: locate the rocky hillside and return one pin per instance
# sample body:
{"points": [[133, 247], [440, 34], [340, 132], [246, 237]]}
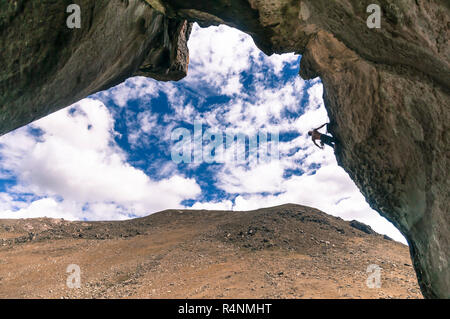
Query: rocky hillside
{"points": [[288, 251]]}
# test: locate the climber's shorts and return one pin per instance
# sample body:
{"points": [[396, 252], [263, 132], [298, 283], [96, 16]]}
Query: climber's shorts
{"points": [[328, 140]]}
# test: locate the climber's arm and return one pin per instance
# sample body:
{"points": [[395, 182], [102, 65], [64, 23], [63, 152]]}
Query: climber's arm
{"points": [[320, 127], [314, 141]]}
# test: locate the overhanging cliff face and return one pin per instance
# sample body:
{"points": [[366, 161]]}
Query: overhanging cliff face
{"points": [[387, 91], [47, 66]]}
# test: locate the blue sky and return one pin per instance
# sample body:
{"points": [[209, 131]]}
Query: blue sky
{"points": [[108, 157]]}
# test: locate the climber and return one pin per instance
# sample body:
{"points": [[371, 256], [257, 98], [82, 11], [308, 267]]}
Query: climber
{"points": [[324, 139]]}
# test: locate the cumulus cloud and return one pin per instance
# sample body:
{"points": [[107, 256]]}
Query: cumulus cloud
{"points": [[223, 205], [220, 54], [139, 88]]}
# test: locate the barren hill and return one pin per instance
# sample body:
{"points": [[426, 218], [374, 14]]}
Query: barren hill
{"points": [[288, 251]]}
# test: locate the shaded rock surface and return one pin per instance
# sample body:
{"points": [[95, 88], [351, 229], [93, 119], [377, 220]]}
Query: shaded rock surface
{"points": [[386, 90], [289, 251], [362, 227]]}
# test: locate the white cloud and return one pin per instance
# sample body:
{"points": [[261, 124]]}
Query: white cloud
{"points": [[76, 159], [139, 88], [267, 177], [48, 207], [223, 205], [278, 62], [220, 54]]}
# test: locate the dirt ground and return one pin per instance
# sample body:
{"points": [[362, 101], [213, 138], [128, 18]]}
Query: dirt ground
{"points": [[288, 251]]}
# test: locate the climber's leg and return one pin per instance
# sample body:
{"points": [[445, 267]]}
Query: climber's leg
{"points": [[328, 140]]}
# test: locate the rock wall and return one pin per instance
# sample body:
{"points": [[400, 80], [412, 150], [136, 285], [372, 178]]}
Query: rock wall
{"points": [[47, 66], [387, 90], [387, 95]]}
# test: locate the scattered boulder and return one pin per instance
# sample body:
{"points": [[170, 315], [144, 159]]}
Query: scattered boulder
{"points": [[362, 227]]}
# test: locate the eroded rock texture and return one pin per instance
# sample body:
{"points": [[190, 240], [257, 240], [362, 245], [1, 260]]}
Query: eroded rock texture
{"points": [[387, 91], [46, 66]]}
